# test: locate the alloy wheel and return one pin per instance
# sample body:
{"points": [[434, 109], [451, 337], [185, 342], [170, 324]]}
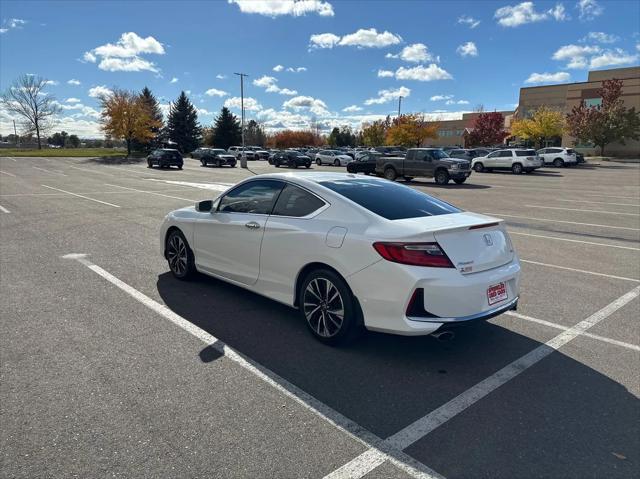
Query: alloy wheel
{"points": [[177, 255], [323, 307]]}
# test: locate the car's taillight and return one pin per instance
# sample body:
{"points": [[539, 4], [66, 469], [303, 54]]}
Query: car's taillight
{"points": [[415, 254]]}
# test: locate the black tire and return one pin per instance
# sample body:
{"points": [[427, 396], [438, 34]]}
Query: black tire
{"points": [[478, 167], [459, 181], [336, 162], [149, 164], [308, 165], [203, 162], [558, 162], [318, 162], [321, 313], [179, 167], [181, 261], [516, 169], [390, 174], [277, 164], [442, 177]]}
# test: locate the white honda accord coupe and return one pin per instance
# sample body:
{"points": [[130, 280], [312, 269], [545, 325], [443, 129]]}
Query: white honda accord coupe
{"points": [[349, 252]]}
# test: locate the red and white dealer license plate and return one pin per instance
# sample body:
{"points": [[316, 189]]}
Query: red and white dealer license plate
{"points": [[497, 293]]}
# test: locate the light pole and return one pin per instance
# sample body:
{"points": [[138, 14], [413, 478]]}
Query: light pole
{"points": [[243, 158], [399, 103]]}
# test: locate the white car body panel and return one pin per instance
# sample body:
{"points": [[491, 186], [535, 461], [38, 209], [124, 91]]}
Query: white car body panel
{"points": [[329, 159], [268, 260], [548, 157]]}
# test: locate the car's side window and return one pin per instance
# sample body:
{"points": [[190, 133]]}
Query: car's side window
{"points": [[493, 155], [422, 155], [294, 201], [506, 154], [256, 197]]}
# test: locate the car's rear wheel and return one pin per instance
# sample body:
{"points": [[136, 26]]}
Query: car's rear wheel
{"points": [[516, 168], [478, 167], [390, 174], [328, 307], [336, 162], [558, 162], [179, 256], [442, 177]]}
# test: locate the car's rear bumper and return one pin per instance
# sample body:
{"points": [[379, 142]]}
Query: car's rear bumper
{"points": [[385, 290]]}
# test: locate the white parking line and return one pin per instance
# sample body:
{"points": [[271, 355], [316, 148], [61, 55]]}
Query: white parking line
{"points": [[81, 196], [572, 240], [598, 202], [82, 193], [7, 173], [582, 210], [356, 432], [4, 210], [427, 424], [564, 328], [49, 171], [593, 273], [152, 193], [560, 221]]}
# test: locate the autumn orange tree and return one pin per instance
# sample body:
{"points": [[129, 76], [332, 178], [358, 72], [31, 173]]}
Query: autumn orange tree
{"points": [[374, 133], [125, 116], [292, 139], [410, 130]]}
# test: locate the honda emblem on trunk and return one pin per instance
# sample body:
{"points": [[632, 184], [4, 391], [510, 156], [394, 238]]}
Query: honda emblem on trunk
{"points": [[488, 240]]}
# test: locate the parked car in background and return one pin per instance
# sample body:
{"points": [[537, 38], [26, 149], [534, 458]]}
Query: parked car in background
{"points": [[516, 160], [365, 163], [425, 162], [259, 152], [468, 153], [214, 156], [165, 158], [332, 157], [292, 159], [349, 252], [391, 150], [237, 152], [558, 157]]}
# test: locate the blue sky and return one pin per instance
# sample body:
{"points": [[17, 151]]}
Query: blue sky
{"points": [[342, 62]]}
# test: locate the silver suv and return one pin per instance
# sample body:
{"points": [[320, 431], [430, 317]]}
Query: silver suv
{"points": [[516, 160], [558, 156]]}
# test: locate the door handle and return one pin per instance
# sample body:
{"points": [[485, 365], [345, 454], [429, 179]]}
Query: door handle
{"points": [[252, 225]]}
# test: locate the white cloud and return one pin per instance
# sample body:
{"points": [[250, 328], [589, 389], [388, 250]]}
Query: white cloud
{"points": [[174, 80], [12, 23], [314, 105], [124, 55], [525, 12], [72, 100], [385, 96], [385, 73], [250, 104], [467, 49], [454, 102], [363, 38], [589, 9], [440, 97], [638, 46], [278, 68], [74, 82], [559, 77], [274, 8], [417, 52], [203, 111], [601, 37], [468, 20], [4, 30], [575, 55], [52, 82], [423, 73], [220, 76], [215, 92], [297, 69], [100, 90], [270, 85], [352, 109], [613, 58], [323, 40]]}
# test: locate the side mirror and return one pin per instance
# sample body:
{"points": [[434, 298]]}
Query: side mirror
{"points": [[204, 206]]}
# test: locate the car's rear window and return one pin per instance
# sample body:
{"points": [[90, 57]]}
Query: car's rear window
{"points": [[525, 152], [390, 200]]}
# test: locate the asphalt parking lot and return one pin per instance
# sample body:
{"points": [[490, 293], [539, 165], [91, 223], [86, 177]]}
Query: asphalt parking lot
{"points": [[110, 366]]}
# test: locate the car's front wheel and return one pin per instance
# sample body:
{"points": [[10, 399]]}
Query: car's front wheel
{"points": [[336, 162], [478, 167], [179, 255], [442, 177], [318, 162], [203, 162], [328, 307], [558, 163]]}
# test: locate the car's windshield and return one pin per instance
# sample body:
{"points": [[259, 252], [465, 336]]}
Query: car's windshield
{"points": [[390, 200], [218, 151]]}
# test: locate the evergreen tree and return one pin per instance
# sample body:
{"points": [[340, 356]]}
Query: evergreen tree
{"points": [[182, 125], [226, 130], [151, 104]]}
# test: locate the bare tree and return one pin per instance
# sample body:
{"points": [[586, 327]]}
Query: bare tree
{"points": [[27, 98]]}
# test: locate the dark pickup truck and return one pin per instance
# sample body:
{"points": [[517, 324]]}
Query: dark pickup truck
{"points": [[425, 162]]}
